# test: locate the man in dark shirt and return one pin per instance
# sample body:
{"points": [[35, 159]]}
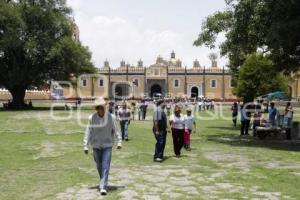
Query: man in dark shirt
{"points": [[111, 107], [272, 114], [143, 108], [160, 130], [235, 111], [124, 116]]}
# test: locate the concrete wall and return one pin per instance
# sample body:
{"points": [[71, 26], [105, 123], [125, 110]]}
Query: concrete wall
{"points": [[30, 95]]}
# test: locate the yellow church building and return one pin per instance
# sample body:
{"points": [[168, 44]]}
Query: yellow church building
{"points": [[165, 77]]}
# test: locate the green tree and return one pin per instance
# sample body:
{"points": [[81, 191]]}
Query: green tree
{"points": [[37, 46], [213, 57], [250, 25], [257, 77]]}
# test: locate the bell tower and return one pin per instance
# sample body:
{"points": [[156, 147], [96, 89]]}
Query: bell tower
{"points": [[173, 56]]}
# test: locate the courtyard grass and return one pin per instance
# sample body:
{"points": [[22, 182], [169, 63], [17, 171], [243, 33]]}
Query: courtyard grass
{"points": [[42, 158]]}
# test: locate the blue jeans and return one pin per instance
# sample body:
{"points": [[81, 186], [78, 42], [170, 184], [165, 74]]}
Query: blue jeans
{"points": [[102, 158], [160, 144], [124, 129]]}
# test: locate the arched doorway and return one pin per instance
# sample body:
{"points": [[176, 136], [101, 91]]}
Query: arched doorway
{"points": [[121, 91], [156, 89], [194, 92]]}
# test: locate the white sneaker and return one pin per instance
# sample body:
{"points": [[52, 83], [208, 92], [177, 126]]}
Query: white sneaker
{"points": [[158, 160], [103, 192]]}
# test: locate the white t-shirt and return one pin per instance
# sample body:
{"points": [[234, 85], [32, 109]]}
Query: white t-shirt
{"points": [[189, 121], [289, 114], [124, 114], [178, 122]]}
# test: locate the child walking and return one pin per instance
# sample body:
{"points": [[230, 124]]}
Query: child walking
{"points": [[190, 125]]}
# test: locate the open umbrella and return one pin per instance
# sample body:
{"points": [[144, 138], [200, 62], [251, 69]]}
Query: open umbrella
{"points": [[275, 96]]}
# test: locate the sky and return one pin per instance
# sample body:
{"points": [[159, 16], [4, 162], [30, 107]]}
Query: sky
{"points": [[130, 30]]}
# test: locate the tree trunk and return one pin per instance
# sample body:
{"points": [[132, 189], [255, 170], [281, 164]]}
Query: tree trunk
{"points": [[18, 94]]}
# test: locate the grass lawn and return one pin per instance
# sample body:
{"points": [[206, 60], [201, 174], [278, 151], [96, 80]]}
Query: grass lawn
{"points": [[42, 158]]}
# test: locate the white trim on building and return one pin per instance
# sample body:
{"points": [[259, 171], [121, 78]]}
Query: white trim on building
{"points": [[101, 82], [84, 82]]}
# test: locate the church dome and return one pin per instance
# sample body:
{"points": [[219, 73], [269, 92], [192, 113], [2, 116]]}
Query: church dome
{"points": [[196, 64]]}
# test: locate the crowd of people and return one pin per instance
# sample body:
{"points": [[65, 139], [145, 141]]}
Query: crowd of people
{"points": [[102, 128], [164, 120], [181, 126], [168, 117], [254, 112], [206, 104], [141, 108]]}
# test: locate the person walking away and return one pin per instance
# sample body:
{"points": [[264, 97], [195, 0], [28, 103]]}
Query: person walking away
{"points": [[169, 107], [200, 105], [139, 110], [204, 104], [116, 109], [99, 134], [235, 111], [124, 116], [111, 107], [144, 111], [287, 120], [245, 121], [160, 130], [208, 104], [272, 114], [190, 126], [177, 124], [133, 110]]}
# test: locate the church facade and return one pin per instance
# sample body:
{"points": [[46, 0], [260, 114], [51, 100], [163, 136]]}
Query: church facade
{"points": [[165, 77]]}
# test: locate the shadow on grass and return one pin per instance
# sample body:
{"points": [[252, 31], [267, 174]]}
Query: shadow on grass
{"points": [[230, 128], [109, 188], [167, 158], [233, 138], [250, 141]]}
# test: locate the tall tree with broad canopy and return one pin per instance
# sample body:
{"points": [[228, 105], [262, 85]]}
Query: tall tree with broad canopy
{"points": [[271, 26], [37, 46], [257, 77]]}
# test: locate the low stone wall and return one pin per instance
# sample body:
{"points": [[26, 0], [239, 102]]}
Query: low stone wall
{"points": [[30, 95], [283, 103]]}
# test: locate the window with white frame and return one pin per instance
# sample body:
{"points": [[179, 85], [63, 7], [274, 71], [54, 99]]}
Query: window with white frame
{"points": [[176, 83], [101, 82], [213, 83], [84, 82]]}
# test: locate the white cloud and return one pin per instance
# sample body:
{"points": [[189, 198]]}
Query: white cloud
{"points": [[116, 38], [75, 4]]}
